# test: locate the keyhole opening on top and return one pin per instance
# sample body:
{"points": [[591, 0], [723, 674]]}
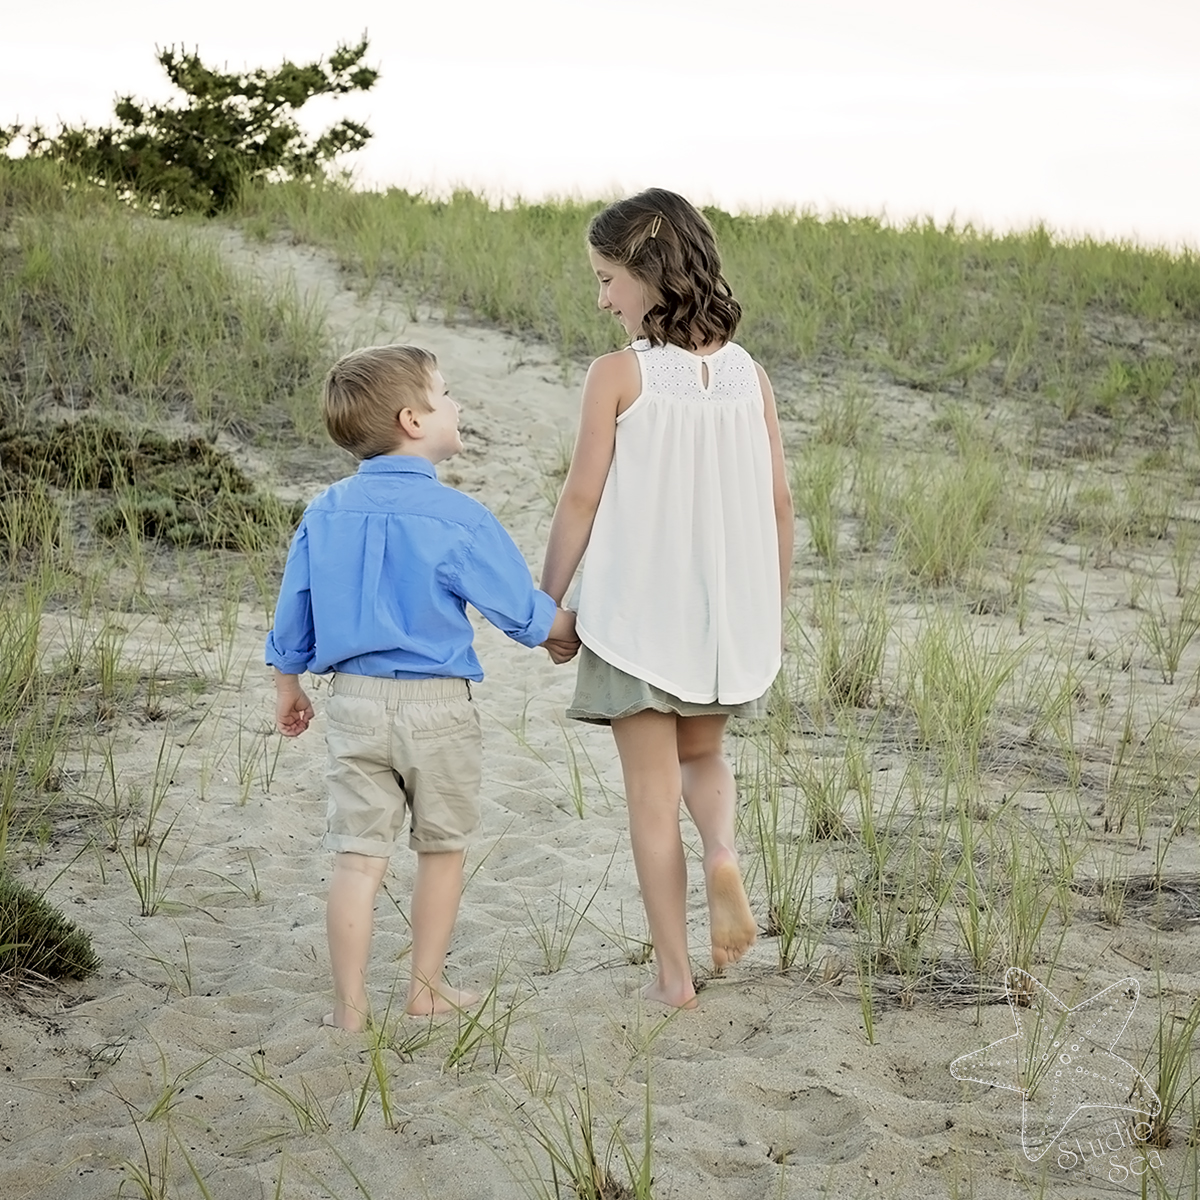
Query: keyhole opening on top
{"points": [[704, 375]]}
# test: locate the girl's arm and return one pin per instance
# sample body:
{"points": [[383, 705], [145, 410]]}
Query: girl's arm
{"points": [[613, 383], [780, 489]]}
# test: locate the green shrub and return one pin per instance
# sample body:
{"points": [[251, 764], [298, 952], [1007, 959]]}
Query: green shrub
{"points": [[184, 491], [36, 937]]}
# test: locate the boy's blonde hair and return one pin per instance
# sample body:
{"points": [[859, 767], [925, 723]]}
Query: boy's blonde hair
{"points": [[366, 390]]}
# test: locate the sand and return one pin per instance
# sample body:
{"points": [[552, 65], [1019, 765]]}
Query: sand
{"points": [[196, 1053]]}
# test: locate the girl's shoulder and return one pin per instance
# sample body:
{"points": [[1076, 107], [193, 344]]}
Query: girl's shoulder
{"points": [[619, 366]]}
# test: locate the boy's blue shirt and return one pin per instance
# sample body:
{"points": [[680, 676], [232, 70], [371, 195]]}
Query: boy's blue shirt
{"points": [[380, 573]]}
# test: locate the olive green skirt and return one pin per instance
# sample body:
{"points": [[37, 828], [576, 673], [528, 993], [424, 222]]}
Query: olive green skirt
{"points": [[604, 693]]}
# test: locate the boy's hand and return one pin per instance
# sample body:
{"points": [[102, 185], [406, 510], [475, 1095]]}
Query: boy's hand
{"points": [[293, 714], [293, 709]]}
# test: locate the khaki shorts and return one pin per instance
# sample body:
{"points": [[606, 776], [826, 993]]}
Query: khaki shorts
{"points": [[401, 746]]}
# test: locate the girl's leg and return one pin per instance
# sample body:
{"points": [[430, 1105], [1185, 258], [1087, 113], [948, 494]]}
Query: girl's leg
{"points": [[650, 765], [349, 915], [434, 909], [711, 798]]}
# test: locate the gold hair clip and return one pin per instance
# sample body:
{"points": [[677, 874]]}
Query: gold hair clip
{"points": [[656, 226]]}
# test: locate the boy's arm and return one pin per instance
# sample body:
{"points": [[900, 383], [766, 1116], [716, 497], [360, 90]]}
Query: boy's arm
{"points": [[489, 573], [290, 641], [292, 637], [293, 708]]}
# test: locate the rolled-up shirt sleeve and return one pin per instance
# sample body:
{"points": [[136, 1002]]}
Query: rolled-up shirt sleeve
{"points": [[490, 574], [291, 641]]}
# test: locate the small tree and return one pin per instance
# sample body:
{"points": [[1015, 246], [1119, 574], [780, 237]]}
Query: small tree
{"points": [[232, 129]]}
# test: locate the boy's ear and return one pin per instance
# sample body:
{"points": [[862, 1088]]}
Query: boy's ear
{"points": [[408, 423]]}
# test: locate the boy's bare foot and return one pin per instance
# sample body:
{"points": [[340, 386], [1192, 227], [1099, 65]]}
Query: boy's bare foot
{"points": [[733, 929], [344, 1018], [427, 1001], [681, 997]]}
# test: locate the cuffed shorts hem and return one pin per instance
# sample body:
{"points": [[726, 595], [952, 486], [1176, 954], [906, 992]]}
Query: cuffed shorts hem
{"points": [[340, 843], [444, 846], [343, 843]]}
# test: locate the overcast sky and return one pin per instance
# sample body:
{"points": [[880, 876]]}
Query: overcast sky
{"points": [[1084, 114]]}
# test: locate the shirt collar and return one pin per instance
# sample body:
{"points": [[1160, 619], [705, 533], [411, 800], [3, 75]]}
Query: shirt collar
{"points": [[412, 464]]}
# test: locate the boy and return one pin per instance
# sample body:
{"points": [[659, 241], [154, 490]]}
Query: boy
{"points": [[375, 590]]}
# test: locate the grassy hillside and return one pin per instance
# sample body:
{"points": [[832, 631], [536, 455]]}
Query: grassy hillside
{"points": [[1071, 326], [104, 311]]}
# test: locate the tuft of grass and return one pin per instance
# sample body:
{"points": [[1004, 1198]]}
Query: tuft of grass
{"points": [[955, 679], [37, 939], [947, 516], [784, 852], [848, 418], [578, 1157], [816, 484], [976, 913], [1176, 1079], [141, 853], [305, 1106], [381, 1038], [554, 939], [1167, 635], [852, 633], [1031, 896], [489, 1024]]}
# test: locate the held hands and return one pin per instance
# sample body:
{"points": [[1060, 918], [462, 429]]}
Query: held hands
{"points": [[562, 645], [293, 709], [561, 652]]}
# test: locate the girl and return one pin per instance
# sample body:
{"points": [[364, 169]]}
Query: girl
{"points": [[678, 492]]}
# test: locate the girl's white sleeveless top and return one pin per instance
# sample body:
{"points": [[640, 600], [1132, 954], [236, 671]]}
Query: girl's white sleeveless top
{"points": [[681, 581]]}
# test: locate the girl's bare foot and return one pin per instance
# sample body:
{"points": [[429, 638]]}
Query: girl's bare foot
{"points": [[733, 929], [679, 997], [425, 1001]]}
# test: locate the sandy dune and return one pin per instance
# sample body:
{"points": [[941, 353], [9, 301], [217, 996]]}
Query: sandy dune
{"points": [[196, 1051]]}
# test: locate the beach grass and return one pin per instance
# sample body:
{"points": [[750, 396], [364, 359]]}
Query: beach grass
{"points": [[102, 311]]}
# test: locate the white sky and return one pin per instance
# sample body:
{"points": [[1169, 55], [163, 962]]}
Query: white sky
{"points": [[1081, 113]]}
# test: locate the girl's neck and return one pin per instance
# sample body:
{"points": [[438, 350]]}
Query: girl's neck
{"points": [[702, 351], [705, 350]]}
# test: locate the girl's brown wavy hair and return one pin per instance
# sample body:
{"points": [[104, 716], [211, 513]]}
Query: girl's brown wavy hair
{"points": [[665, 242]]}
